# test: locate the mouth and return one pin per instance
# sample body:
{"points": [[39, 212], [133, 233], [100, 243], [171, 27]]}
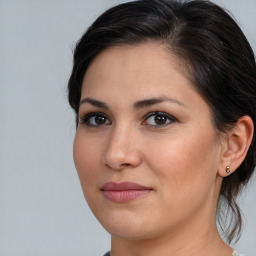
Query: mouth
{"points": [[124, 192]]}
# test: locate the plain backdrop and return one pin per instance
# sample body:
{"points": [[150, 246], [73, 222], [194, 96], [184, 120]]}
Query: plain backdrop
{"points": [[42, 209]]}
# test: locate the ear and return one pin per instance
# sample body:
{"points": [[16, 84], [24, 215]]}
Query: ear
{"points": [[235, 146]]}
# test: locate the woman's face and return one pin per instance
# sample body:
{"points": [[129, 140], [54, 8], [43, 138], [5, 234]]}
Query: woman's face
{"points": [[145, 149]]}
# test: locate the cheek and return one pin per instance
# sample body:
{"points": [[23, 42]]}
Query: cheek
{"points": [[185, 174], [185, 165], [86, 158]]}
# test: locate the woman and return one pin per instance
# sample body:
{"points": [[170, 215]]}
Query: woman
{"points": [[164, 96]]}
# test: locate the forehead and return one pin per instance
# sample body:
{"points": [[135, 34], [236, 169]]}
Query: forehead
{"points": [[140, 67]]}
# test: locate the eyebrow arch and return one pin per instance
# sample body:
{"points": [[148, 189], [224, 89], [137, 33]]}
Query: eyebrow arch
{"points": [[137, 105], [94, 102], [149, 102]]}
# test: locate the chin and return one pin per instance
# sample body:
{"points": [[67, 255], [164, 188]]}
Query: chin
{"points": [[130, 232], [129, 225]]}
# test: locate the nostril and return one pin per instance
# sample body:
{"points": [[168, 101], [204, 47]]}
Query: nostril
{"points": [[119, 167], [125, 165]]}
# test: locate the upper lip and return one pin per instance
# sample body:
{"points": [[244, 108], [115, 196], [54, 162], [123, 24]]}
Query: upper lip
{"points": [[123, 186]]}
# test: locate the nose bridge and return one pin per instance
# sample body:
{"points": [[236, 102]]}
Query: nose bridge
{"points": [[122, 148], [121, 133]]}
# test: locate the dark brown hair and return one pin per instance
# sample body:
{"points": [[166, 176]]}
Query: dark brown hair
{"points": [[218, 59]]}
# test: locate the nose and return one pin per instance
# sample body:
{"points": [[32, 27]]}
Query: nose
{"points": [[122, 149]]}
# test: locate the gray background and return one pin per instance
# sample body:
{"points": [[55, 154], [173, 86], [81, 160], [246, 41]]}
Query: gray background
{"points": [[42, 209]]}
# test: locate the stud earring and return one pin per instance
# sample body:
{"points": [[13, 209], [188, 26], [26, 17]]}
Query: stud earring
{"points": [[227, 169]]}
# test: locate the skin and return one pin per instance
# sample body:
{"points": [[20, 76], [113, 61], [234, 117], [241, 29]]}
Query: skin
{"points": [[183, 162]]}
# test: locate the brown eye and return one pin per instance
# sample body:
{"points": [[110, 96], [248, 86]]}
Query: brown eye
{"points": [[95, 120], [158, 119], [99, 120]]}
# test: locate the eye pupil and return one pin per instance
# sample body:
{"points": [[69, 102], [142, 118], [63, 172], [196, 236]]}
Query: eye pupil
{"points": [[100, 120], [160, 119]]}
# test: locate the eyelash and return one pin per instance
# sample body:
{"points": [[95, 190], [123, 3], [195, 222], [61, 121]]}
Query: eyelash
{"points": [[86, 119], [161, 114]]}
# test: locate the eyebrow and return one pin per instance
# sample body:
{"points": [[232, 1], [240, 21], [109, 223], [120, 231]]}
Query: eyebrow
{"points": [[94, 102], [137, 105], [150, 102]]}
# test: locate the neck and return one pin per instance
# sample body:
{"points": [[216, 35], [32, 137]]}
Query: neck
{"points": [[198, 237]]}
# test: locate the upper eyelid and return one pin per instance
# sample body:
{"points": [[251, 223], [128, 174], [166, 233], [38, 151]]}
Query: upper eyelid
{"points": [[84, 117], [86, 112], [146, 115], [159, 113], [93, 113]]}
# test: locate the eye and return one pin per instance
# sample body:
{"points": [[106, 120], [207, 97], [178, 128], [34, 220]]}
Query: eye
{"points": [[158, 119], [95, 119]]}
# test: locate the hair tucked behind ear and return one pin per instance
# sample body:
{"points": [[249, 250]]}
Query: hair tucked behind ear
{"points": [[218, 60]]}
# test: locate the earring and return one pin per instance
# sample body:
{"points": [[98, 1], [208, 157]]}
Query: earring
{"points": [[227, 169]]}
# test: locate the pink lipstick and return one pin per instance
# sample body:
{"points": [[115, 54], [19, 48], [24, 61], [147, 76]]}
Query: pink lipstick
{"points": [[124, 191]]}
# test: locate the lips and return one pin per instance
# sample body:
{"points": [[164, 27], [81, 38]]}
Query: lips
{"points": [[124, 191]]}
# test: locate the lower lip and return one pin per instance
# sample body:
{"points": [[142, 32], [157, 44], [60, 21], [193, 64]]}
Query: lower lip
{"points": [[122, 196]]}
